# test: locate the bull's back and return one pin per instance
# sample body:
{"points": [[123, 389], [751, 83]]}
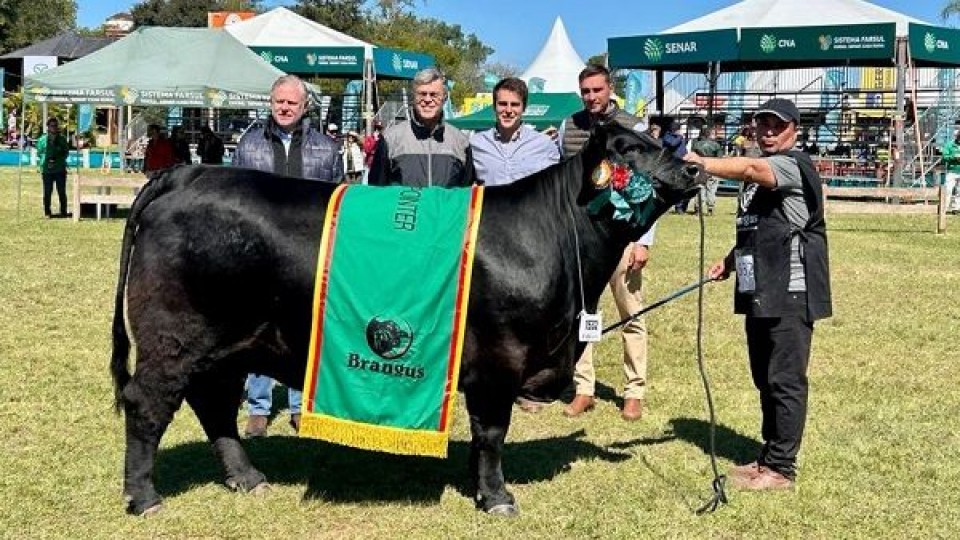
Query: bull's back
{"points": [[235, 248]]}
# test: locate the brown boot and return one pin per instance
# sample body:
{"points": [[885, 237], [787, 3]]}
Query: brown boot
{"points": [[765, 479], [632, 409], [295, 422], [744, 471], [256, 426], [579, 405]]}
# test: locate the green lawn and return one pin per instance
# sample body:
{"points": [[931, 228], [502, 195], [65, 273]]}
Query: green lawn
{"points": [[880, 459]]}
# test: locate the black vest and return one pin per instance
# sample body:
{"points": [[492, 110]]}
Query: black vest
{"points": [[765, 233]]}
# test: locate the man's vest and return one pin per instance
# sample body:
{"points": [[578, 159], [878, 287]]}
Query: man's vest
{"points": [[576, 128], [764, 237]]}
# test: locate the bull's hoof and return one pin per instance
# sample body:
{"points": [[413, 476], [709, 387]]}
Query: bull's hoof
{"points": [[262, 489], [145, 508], [506, 510], [248, 482]]}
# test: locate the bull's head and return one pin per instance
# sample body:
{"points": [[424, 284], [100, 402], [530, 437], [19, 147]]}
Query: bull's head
{"points": [[631, 180]]}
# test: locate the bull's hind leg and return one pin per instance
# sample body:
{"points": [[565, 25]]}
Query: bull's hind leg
{"points": [[215, 397], [150, 402], [489, 422]]}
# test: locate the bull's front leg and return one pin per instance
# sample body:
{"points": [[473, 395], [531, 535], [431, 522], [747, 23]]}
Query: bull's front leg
{"points": [[489, 422]]}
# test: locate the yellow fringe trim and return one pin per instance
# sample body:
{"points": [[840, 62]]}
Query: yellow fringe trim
{"points": [[370, 437]]}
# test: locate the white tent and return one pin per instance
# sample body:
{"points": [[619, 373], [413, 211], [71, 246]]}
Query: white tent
{"points": [[558, 63], [779, 13], [281, 27]]}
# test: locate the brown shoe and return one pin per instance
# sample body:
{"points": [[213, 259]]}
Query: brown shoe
{"points": [[744, 471], [295, 422], [763, 480], [256, 426], [579, 405], [530, 406], [632, 409]]}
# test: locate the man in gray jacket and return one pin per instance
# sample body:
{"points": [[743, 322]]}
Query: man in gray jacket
{"points": [[286, 144], [424, 151]]}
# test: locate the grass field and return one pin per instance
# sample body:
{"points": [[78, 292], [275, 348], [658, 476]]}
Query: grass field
{"points": [[880, 458]]}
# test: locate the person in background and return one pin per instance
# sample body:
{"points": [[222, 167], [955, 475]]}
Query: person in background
{"points": [[159, 154], [285, 144], [353, 160], [52, 152], [370, 144], [782, 286], [425, 150], [210, 147], [707, 146], [627, 280], [675, 143], [511, 149], [181, 148], [951, 159]]}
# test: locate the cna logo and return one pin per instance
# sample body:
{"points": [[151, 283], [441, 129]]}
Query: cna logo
{"points": [[311, 59], [397, 62], [389, 339], [930, 42], [768, 43], [267, 56], [826, 41], [653, 49]]}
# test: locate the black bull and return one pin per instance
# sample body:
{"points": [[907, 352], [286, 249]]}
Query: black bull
{"points": [[217, 271]]}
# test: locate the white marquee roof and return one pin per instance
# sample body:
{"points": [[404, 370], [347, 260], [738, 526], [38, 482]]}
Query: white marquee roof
{"points": [[778, 13], [281, 27], [558, 63]]}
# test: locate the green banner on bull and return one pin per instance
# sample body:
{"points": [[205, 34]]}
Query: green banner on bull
{"points": [[390, 301], [817, 44]]}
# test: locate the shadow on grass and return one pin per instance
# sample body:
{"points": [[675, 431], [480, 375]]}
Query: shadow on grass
{"points": [[729, 444], [339, 474]]}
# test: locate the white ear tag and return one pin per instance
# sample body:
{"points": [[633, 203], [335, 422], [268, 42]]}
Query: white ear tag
{"points": [[591, 327]]}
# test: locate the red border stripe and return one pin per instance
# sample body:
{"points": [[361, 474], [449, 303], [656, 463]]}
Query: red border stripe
{"points": [[321, 300], [458, 329]]}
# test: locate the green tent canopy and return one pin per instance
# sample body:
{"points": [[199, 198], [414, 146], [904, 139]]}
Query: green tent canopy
{"points": [[543, 111], [160, 66]]}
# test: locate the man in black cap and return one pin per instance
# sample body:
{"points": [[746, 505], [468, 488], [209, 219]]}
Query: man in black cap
{"points": [[782, 286]]}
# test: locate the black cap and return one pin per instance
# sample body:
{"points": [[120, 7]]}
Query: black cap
{"points": [[782, 108]]}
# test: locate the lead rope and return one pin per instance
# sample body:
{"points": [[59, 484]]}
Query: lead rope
{"points": [[719, 495], [576, 248]]}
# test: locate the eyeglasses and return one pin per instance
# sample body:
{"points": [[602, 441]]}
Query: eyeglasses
{"points": [[435, 96]]}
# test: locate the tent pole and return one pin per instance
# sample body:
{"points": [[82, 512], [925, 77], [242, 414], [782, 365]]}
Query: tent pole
{"points": [[21, 142], [368, 82], [901, 57], [660, 92], [713, 73], [121, 139]]}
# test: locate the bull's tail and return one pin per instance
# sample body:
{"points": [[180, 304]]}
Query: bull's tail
{"points": [[155, 188]]}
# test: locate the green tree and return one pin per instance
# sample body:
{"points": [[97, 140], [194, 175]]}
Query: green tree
{"points": [[23, 22], [951, 9], [345, 16], [185, 13]]}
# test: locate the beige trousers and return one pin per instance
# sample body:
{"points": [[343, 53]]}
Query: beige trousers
{"points": [[626, 288]]}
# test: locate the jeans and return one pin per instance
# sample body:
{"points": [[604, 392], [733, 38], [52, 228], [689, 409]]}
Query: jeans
{"points": [[260, 396], [49, 180]]}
